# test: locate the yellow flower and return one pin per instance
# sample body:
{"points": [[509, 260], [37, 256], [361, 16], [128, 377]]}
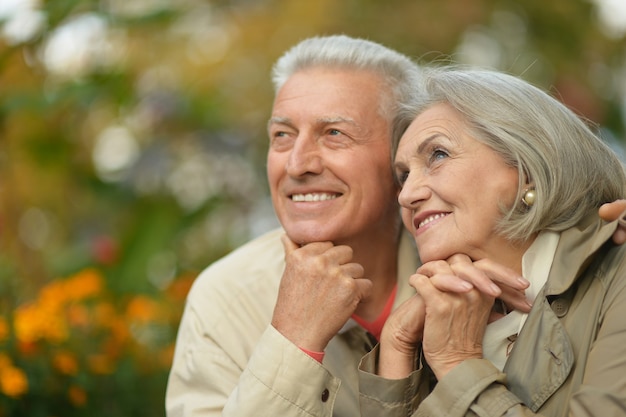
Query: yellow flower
{"points": [[5, 361], [33, 323], [77, 395], [4, 329], [78, 316], [87, 283], [142, 309], [65, 362], [104, 313], [53, 296], [100, 364], [13, 381]]}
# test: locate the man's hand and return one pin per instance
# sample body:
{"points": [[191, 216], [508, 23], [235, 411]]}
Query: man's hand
{"points": [[319, 291], [613, 211]]}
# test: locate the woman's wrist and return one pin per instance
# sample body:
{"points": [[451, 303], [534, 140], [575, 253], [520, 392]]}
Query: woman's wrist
{"points": [[395, 365]]}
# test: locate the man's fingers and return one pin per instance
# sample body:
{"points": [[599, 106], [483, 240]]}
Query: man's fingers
{"points": [[288, 244], [619, 237], [613, 211], [353, 270], [364, 287]]}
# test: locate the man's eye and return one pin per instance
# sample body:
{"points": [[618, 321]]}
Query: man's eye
{"points": [[334, 132], [280, 140]]}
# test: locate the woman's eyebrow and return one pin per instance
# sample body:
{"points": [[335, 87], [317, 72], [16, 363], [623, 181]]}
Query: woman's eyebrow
{"points": [[426, 142]]}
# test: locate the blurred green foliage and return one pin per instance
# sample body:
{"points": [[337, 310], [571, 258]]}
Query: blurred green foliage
{"points": [[132, 144]]}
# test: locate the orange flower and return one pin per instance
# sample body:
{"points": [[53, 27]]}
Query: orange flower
{"points": [[78, 315], [33, 323], [166, 356], [180, 287], [5, 361], [86, 283], [104, 313], [53, 296], [4, 329], [65, 362], [13, 381], [100, 364], [142, 309], [77, 395]]}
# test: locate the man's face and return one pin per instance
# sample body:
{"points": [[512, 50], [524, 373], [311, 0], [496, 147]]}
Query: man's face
{"points": [[328, 164]]}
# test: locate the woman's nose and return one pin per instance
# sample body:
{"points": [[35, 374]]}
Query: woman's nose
{"points": [[413, 191]]}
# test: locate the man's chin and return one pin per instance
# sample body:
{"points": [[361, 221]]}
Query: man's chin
{"points": [[303, 237]]}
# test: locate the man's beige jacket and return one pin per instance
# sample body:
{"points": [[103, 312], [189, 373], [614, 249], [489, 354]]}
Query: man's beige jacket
{"points": [[230, 361]]}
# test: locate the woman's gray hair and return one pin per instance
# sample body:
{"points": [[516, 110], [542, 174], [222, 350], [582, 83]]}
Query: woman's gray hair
{"points": [[398, 72], [572, 169]]}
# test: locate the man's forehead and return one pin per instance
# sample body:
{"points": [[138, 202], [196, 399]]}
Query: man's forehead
{"points": [[318, 120]]}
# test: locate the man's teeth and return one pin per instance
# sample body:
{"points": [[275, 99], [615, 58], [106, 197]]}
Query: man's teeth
{"points": [[313, 197], [431, 218]]}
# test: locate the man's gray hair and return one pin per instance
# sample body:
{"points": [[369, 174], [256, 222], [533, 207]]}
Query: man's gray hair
{"points": [[398, 72]]}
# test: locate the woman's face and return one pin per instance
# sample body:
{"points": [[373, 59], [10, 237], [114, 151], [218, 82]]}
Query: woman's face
{"points": [[453, 188]]}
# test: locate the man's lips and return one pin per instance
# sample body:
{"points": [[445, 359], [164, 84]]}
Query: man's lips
{"points": [[308, 197]]}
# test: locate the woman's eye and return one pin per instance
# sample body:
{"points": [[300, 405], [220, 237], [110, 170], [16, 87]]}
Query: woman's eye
{"points": [[438, 154], [401, 177]]}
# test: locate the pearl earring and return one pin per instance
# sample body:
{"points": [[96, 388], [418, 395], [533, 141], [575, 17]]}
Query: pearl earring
{"points": [[529, 197]]}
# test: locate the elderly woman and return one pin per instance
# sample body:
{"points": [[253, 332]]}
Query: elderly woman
{"points": [[494, 168]]}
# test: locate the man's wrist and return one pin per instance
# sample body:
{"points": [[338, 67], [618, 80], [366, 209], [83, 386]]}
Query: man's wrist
{"points": [[318, 356]]}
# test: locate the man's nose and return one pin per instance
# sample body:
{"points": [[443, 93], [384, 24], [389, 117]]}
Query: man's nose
{"points": [[305, 157]]}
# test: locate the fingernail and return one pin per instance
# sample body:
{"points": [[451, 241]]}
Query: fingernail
{"points": [[466, 285], [495, 289], [523, 281]]}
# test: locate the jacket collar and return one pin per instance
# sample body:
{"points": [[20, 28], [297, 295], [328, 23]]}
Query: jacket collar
{"points": [[555, 358], [575, 251]]}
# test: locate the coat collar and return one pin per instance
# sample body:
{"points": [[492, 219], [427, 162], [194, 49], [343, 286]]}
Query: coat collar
{"points": [[575, 250], [544, 341]]}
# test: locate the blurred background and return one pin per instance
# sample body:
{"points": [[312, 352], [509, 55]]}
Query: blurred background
{"points": [[132, 155]]}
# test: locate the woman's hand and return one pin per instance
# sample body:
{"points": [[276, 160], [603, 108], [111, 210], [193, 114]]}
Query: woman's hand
{"points": [[613, 211], [460, 274], [403, 329], [400, 338], [454, 323]]}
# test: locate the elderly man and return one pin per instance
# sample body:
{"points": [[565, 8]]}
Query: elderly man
{"points": [[278, 326]]}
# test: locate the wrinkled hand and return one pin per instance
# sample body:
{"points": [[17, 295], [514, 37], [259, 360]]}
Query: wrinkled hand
{"points": [[454, 323], [460, 274], [320, 289], [403, 330], [400, 337], [613, 211]]}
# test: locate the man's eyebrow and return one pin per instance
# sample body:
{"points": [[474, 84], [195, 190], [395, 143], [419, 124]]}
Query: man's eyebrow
{"points": [[338, 119], [321, 121], [278, 120]]}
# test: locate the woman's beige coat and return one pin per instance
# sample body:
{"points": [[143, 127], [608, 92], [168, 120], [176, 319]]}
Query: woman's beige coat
{"points": [[569, 358]]}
